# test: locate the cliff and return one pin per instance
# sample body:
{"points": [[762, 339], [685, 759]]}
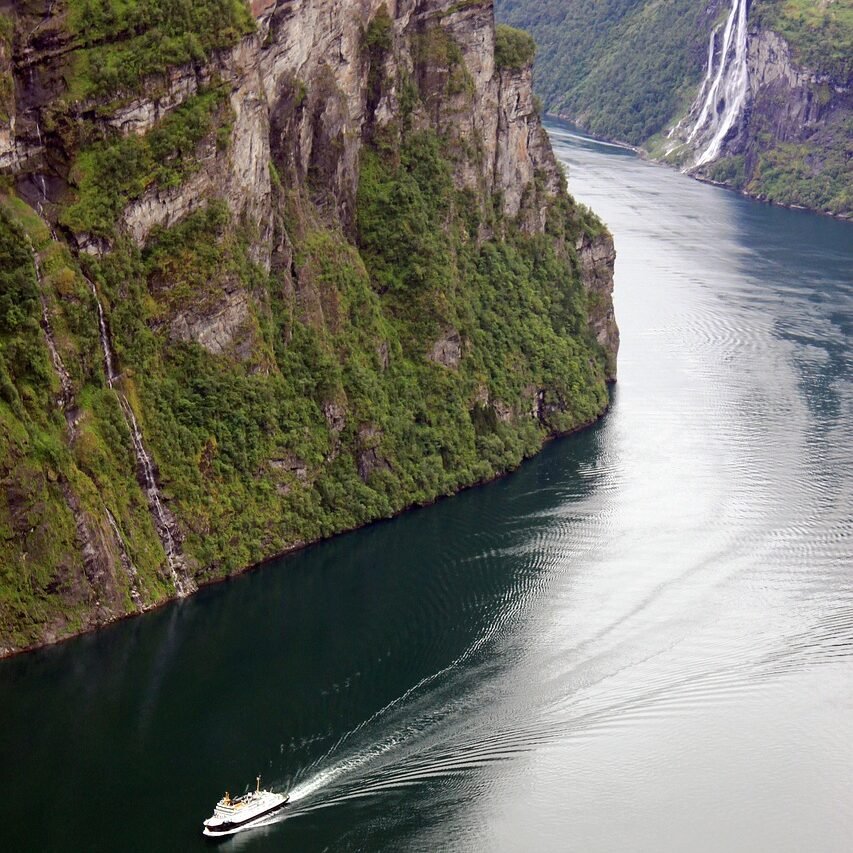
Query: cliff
{"points": [[269, 272], [754, 95]]}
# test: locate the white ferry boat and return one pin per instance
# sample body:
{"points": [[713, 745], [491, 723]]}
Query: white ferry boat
{"points": [[252, 809]]}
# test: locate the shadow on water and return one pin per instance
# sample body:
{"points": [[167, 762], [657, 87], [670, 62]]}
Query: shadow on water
{"points": [[803, 264], [322, 671]]}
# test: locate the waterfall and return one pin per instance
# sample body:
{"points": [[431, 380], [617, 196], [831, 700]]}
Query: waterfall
{"points": [[724, 90], [42, 183], [66, 395], [126, 562], [709, 73], [66, 402], [163, 520], [106, 347]]}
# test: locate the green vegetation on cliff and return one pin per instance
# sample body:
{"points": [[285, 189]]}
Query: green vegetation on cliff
{"points": [[46, 481], [820, 34], [513, 48], [622, 68], [109, 174], [290, 378], [817, 174], [121, 43], [312, 431]]}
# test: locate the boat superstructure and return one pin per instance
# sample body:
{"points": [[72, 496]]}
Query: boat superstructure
{"points": [[245, 812]]}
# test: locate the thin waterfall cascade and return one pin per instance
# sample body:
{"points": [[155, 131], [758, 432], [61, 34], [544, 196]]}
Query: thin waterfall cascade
{"points": [[164, 521], [126, 562], [723, 94], [41, 180], [66, 402], [66, 395], [106, 346]]}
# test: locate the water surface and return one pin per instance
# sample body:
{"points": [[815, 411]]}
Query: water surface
{"points": [[640, 641]]}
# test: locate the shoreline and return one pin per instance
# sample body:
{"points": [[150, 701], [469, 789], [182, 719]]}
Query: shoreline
{"points": [[644, 154], [7, 654]]}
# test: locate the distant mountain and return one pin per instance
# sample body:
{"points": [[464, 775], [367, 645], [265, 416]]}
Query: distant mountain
{"points": [[753, 95]]}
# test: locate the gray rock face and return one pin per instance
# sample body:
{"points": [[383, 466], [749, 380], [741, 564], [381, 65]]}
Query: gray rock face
{"points": [[447, 350], [784, 91], [336, 415], [239, 174], [297, 89], [292, 465], [370, 458], [225, 327], [789, 103], [522, 148], [597, 258]]}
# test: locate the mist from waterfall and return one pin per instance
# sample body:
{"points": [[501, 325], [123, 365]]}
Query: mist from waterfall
{"points": [[722, 96]]}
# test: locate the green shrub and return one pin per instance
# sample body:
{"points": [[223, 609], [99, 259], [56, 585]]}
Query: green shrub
{"points": [[514, 48], [109, 174], [122, 43]]}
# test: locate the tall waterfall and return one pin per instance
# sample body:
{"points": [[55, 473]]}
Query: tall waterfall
{"points": [[163, 519], [724, 90]]}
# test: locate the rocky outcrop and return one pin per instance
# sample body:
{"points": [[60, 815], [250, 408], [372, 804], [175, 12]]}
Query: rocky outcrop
{"points": [[597, 259], [447, 350], [370, 458], [297, 91], [226, 326], [787, 99], [523, 151], [790, 103]]}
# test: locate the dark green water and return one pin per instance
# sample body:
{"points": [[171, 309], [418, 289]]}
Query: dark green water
{"points": [[643, 640]]}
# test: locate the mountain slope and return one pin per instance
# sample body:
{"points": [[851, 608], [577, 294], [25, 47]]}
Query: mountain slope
{"points": [[648, 73], [272, 272]]}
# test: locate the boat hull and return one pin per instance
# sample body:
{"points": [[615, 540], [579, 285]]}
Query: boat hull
{"points": [[231, 828]]}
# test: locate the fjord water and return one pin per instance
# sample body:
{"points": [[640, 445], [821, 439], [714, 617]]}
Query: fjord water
{"points": [[641, 641]]}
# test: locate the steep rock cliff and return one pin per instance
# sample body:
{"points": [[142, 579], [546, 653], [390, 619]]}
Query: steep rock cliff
{"points": [[271, 272]]}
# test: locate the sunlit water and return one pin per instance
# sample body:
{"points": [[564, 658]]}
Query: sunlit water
{"points": [[641, 641]]}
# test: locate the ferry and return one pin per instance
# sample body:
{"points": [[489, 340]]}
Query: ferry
{"points": [[250, 810]]}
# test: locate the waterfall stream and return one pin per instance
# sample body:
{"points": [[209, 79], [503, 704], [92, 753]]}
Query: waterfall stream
{"points": [[126, 561], [66, 394], [66, 403], [724, 89], [41, 179], [163, 520]]}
